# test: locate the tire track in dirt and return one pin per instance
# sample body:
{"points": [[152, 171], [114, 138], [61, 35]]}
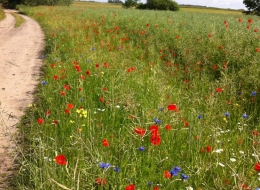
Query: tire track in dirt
{"points": [[20, 50]]}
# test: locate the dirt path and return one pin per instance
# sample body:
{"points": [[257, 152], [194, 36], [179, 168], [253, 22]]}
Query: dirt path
{"points": [[20, 50]]}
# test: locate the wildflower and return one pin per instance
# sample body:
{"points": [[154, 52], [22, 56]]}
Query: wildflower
{"points": [[240, 20], [208, 148], [140, 131], [149, 183], [255, 132], [218, 90], [167, 174], [168, 127], [233, 159], [101, 99], [175, 171], [130, 187], [189, 188], [104, 165], [227, 114], [156, 188], [44, 82], [200, 116], [40, 121], [253, 93], [105, 142], [101, 181], [154, 130], [61, 159], [141, 148], [63, 93], [257, 166], [87, 73], [116, 169], [255, 30], [245, 116], [183, 176], [70, 106], [222, 165], [157, 121], [155, 140], [173, 107], [250, 21], [210, 35], [219, 150], [55, 122]]}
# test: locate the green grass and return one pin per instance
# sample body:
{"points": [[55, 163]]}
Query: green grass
{"points": [[110, 74], [18, 20], [2, 14]]}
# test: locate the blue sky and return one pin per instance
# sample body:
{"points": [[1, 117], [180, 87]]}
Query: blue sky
{"points": [[232, 4]]}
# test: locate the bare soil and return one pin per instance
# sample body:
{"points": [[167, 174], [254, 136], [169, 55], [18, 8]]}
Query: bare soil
{"points": [[20, 52]]}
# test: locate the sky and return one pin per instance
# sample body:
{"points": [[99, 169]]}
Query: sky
{"points": [[232, 4]]}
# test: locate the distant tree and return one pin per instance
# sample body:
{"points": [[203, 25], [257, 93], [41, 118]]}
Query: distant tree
{"points": [[253, 6], [130, 3], [114, 1], [160, 5]]}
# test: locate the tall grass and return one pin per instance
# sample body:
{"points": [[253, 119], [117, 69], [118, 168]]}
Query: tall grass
{"points": [[128, 98], [2, 14]]}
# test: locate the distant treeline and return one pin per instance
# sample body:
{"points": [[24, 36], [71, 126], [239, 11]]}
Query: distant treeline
{"points": [[200, 6]]}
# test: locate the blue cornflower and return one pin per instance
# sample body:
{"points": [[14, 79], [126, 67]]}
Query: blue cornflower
{"points": [[44, 82], [245, 116], [116, 169], [199, 116], [253, 93], [141, 148], [183, 176], [240, 93], [257, 188], [88, 61], [42, 57], [81, 99], [150, 183], [160, 109], [104, 165], [93, 49], [175, 171], [157, 121], [227, 114]]}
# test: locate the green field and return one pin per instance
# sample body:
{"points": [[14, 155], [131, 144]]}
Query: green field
{"points": [[133, 99]]}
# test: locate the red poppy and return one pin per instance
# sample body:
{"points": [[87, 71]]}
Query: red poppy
{"points": [[255, 30], [168, 127], [101, 181], [248, 27], [214, 67], [155, 139], [250, 21], [63, 93], [105, 142], [255, 132], [130, 187], [167, 174], [218, 90], [101, 99], [225, 22], [202, 150], [97, 65], [55, 77], [139, 131], [48, 112], [66, 86], [61, 159], [156, 188], [154, 130], [67, 111], [257, 49], [106, 65], [208, 148], [173, 107], [55, 122], [240, 20], [70, 106], [186, 124], [210, 35], [87, 73], [104, 89], [77, 67], [40, 121]]}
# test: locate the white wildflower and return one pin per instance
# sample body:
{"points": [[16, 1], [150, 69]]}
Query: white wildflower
{"points": [[219, 150], [233, 159], [222, 165]]}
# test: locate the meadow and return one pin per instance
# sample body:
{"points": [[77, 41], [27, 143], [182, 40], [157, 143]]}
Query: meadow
{"points": [[132, 99]]}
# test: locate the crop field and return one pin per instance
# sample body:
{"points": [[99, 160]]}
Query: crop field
{"points": [[133, 99]]}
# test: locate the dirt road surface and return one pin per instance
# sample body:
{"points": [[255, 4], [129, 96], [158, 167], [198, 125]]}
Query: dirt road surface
{"points": [[20, 51]]}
